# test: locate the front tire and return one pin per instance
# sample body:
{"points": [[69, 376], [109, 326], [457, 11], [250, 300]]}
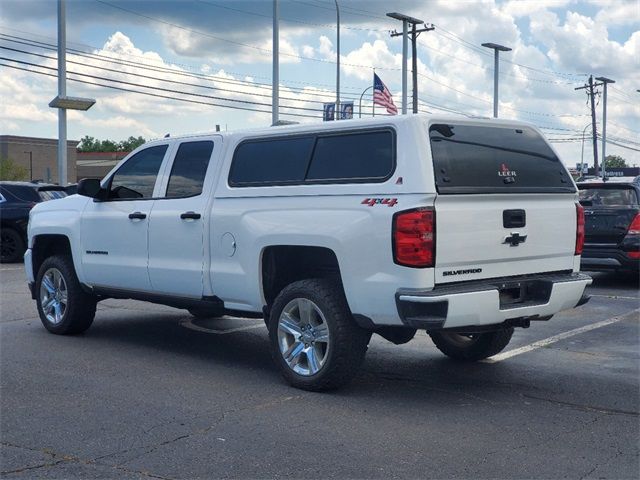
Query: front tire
{"points": [[473, 347], [64, 307], [314, 339]]}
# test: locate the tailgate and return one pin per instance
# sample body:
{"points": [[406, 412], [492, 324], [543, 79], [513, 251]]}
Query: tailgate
{"points": [[506, 205], [472, 241]]}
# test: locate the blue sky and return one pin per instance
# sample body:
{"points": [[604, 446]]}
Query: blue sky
{"points": [[218, 52]]}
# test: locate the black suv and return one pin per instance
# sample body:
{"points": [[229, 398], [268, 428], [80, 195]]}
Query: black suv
{"points": [[16, 200], [612, 223]]}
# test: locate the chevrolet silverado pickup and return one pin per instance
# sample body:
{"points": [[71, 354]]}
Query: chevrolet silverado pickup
{"points": [[332, 232]]}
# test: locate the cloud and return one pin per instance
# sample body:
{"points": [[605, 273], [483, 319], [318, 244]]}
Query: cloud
{"points": [[582, 44]]}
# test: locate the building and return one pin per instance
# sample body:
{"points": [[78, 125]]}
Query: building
{"points": [[97, 164], [39, 156]]}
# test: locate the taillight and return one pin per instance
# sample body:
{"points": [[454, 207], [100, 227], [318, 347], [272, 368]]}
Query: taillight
{"points": [[579, 229], [634, 228], [414, 240]]}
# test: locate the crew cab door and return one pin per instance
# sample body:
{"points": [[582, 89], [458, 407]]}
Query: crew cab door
{"points": [[178, 221], [114, 231]]}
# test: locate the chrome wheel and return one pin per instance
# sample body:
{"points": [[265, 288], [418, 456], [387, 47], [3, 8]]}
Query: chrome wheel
{"points": [[53, 295], [303, 336]]}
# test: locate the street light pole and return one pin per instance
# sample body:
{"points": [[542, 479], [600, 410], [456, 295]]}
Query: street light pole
{"points": [[62, 92], [337, 114], [62, 102], [496, 70], [604, 81], [362, 95]]}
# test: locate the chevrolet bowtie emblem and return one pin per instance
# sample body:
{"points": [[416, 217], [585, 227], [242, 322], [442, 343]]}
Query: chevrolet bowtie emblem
{"points": [[515, 239]]}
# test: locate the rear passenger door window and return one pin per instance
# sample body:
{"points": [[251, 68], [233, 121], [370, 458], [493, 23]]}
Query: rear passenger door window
{"points": [[136, 178], [189, 169]]}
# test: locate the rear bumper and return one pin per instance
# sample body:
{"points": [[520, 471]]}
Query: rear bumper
{"points": [[479, 303], [611, 258]]}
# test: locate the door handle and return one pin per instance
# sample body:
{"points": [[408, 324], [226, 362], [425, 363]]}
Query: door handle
{"points": [[190, 215], [514, 218], [137, 216]]}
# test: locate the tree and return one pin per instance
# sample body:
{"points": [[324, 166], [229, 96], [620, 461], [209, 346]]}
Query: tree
{"points": [[10, 171], [91, 144], [615, 161], [88, 144], [130, 144]]}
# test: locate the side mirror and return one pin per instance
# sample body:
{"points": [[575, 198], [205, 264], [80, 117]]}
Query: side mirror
{"points": [[90, 187]]}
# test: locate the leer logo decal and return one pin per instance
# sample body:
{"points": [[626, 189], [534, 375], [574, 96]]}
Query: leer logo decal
{"points": [[505, 172], [380, 201]]}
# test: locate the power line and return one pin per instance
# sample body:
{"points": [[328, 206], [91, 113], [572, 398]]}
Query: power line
{"points": [[267, 86], [264, 15], [177, 82], [233, 42], [457, 39], [236, 107], [146, 59]]}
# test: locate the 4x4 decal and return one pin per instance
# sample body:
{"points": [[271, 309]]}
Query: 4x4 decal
{"points": [[380, 201]]}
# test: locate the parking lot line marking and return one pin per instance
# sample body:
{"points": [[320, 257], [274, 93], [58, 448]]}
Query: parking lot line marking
{"points": [[557, 338], [9, 269], [614, 296]]}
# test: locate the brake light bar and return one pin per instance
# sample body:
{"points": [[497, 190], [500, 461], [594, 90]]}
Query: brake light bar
{"points": [[579, 229], [634, 228]]}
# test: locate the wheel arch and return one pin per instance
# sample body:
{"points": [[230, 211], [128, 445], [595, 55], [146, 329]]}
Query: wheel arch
{"points": [[47, 244], [281, 265]]}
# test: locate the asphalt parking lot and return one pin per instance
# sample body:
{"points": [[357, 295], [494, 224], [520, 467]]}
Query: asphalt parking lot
{"points": [[148, 393]]}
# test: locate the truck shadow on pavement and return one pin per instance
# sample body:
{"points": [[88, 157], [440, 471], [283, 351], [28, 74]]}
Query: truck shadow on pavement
{"points": [[389, 372]]}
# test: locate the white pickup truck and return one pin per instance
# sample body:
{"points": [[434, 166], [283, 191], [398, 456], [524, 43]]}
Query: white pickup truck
{"points": [[332, 232]]}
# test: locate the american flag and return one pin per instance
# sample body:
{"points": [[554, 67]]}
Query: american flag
{"points": [[382, 95]]}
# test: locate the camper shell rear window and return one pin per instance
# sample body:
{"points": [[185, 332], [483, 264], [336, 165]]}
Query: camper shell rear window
{"points": [[489, 159]]}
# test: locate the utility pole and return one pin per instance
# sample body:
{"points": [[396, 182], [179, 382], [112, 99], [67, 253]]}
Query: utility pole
{"points": [[337, 114], [591, 86], [275, 80], [604, 81], [406, 20], [497, 48], [414, 57]]}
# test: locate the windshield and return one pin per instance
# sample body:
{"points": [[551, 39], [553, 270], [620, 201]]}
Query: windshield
{"points": [[51, 194], [600, 196], [488, 159]]}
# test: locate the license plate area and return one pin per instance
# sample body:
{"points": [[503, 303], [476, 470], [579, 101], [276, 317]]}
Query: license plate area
{"points": [[524, 293]]}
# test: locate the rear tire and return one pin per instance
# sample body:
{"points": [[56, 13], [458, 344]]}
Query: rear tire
{"points": [[314, 340], [64, 307], [471, 348], [12, 246]]}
